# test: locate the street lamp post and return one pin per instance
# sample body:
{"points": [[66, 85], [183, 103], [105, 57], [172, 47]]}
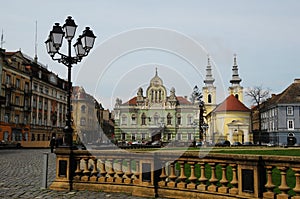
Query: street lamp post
{"points": [[83, 45]]}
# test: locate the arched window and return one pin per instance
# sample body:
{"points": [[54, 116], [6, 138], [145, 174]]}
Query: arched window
{"points": [[236, 96], [143, 119], [82, 121], [178, 119], [189, 120], [156, 119], [209, 98], [124, 120], [133, 119], [83, 109], [169, 119]]}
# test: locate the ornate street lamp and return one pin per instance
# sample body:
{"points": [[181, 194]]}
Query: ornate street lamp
{"points": [[84, 44]]}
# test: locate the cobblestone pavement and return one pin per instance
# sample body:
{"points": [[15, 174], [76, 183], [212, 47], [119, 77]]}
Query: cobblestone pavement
{"points": [[21, 177]]}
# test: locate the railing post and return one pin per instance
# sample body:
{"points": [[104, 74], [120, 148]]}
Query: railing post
{"points": [[95, 171], [128, 173], [182, 177], [163, 175], [202, 186], [213, 180], [223, 181], [86, 171], [111, 172], [103, 172], [172, 175], [283, 186], [234, 182], [119, 172], [192, 178], [297, 186], [269, 186]]}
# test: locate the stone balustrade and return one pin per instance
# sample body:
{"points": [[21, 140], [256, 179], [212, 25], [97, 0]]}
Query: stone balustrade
{"points": [[178, 174]]}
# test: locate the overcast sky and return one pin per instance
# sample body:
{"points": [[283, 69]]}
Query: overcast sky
{"points": [[136, 36]]}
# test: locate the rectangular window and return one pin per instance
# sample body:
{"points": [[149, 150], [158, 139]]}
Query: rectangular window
{"points": [[17, 100], [124, 120], [189, 136], [18, 83], [17, 119], [290, 124], [133, 137], [179, 136], [290, 110]]}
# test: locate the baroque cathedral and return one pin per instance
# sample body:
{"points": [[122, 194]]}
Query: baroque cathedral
{"points": [[156, 115]]}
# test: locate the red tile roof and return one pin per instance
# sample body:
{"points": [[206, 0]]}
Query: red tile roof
{"points": [[183, 101], [231, 103]]}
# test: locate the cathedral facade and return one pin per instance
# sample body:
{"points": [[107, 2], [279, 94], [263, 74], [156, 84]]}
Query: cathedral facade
{"points": [[156, 115]]}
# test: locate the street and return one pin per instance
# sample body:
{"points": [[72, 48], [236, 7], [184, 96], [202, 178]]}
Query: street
{"points": [[21, 177]]}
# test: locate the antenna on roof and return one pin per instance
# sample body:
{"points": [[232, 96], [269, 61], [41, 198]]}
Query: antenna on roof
{"points": [[2, 39], [35, 44]]}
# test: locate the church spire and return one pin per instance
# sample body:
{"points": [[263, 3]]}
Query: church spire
{"points": [[235, 80], [209, 80]]}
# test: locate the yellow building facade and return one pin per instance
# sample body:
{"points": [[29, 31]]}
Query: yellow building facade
{"points": [[229, 120]]}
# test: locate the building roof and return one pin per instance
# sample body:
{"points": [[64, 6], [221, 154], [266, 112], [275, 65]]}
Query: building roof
{"points": [[181, 100], [290, 95], [231, 103]]}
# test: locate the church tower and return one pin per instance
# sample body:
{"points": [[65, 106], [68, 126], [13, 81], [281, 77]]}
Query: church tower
{"points": [[209, 90], [236, 89]]}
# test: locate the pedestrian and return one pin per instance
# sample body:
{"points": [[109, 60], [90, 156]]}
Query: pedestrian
{"points": [[52, 144]]}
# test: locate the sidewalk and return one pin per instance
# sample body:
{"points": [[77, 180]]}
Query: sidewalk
{"points": [[21, 177]]}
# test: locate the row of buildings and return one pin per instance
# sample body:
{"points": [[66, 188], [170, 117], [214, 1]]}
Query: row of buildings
{"points": [[158, 115], [33, 103], [33, 109]]}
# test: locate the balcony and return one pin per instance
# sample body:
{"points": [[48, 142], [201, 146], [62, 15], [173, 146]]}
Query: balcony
{"points": [[177, 174]]}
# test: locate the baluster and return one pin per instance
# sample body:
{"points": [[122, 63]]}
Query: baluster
{"points": [[129, 173], [172, 176], [213, 180], [297, 186], [224, 188], [269, 185], [163, 175], [283, 186], [103, 172], [192, 178], [182, 177], [202, 186], [119, 172], [136, 180], [111, 172], [95, 171], [86, 171], [234, 182], [78, 170]]}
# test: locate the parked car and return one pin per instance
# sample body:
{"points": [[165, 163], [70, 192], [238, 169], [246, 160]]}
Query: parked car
{"points": [[156, 143], [223, 143], [10, 144], [248, 143], [198, 144], [135, 143], [236, 144]]}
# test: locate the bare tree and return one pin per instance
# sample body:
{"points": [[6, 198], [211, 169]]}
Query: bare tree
{"points": [[258, 95]]}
